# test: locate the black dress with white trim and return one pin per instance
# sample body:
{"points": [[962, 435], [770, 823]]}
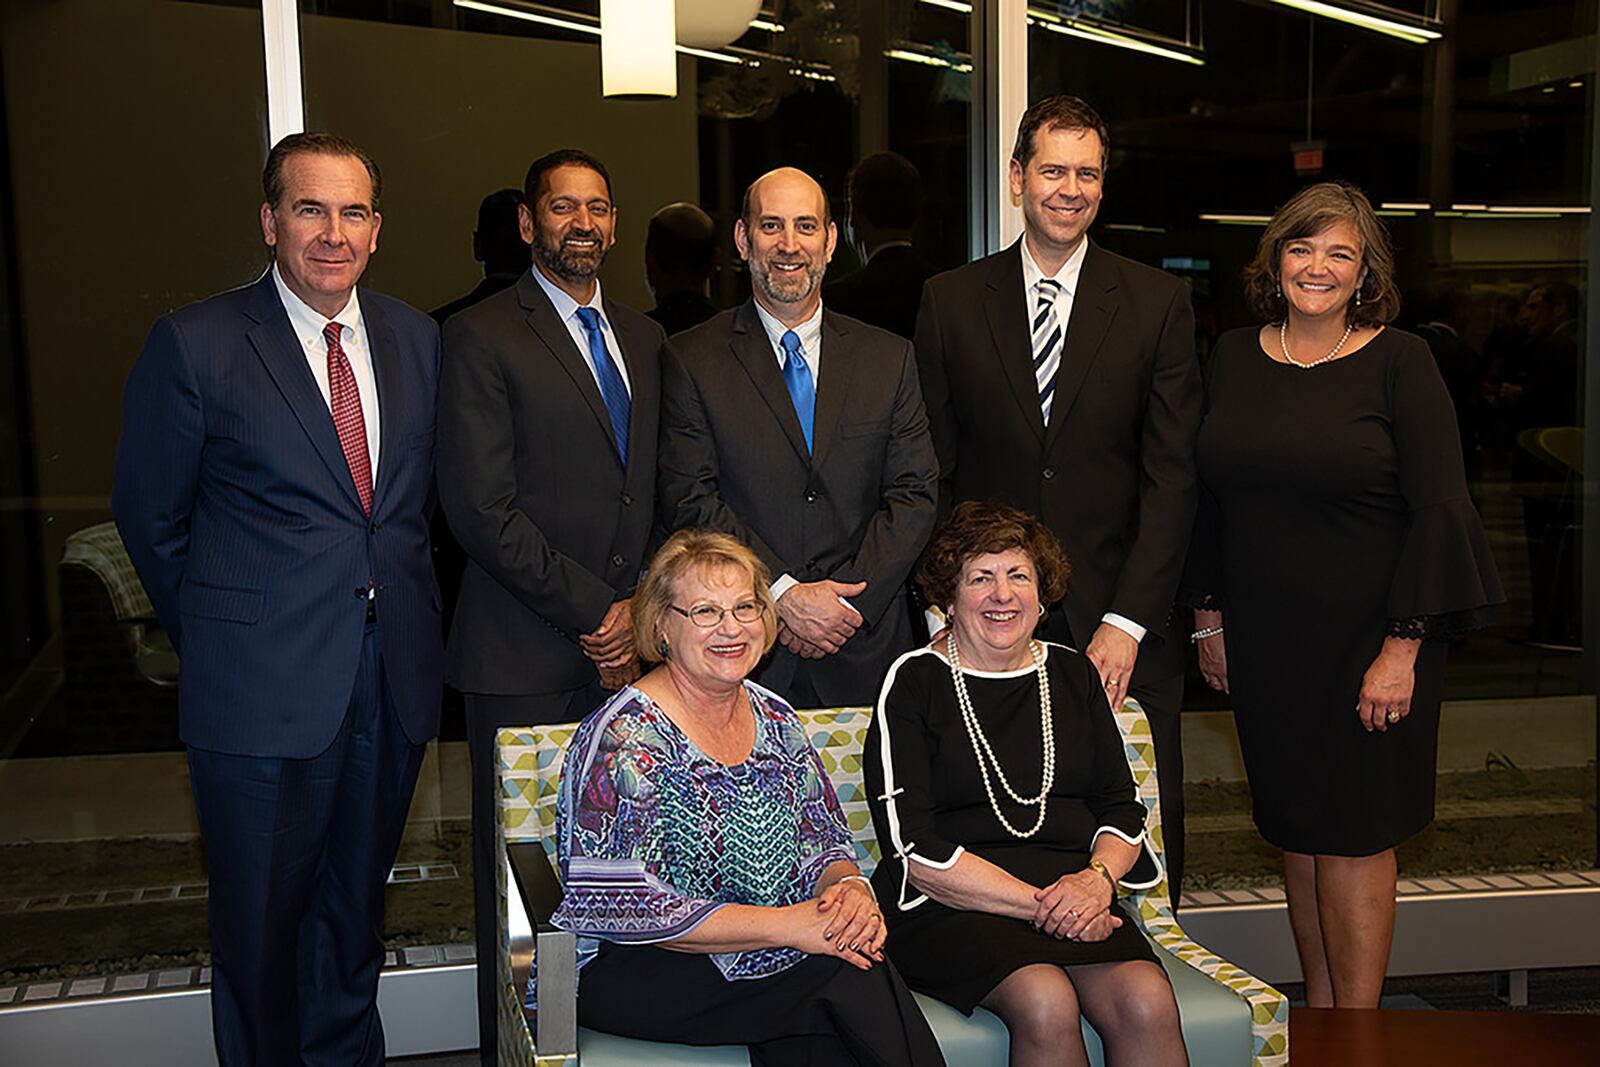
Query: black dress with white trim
{"points": [[929, 805]]}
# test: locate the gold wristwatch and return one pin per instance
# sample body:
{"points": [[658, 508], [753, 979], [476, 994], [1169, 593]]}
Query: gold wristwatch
{"points": [[1105, 872]]}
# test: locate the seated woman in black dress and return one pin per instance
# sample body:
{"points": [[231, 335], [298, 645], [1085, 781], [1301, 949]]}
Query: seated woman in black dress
{"points": [[1007, 815], [706, 865], [1337, 542]]}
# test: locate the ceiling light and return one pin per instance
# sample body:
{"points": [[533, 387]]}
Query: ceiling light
{"points": [[1405, 31], [770, 27], [638, 48], [925, 60], [1090, 31], [951, 5], [1405, 205], [1238, 220], [529, 16]]}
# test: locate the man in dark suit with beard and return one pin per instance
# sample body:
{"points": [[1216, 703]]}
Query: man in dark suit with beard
{"points": [[1062, 379], [548, 404], [802, 433]]}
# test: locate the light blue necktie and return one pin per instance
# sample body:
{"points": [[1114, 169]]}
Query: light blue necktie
{"points": [[612, 389], [797, 376]]}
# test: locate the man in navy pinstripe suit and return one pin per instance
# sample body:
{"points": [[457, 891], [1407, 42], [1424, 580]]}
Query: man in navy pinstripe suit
{"points": [[272, 487]]}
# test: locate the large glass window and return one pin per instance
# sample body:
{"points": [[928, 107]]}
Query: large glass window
{"points": [[129, 187], [1476, 145]]}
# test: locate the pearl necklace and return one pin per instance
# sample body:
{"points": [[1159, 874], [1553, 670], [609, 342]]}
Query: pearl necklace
{"points": [[1283, 343], [982, 749]]}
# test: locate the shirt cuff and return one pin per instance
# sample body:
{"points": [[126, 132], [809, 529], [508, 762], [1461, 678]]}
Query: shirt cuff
{"points": [[1126, 625], [782, 585]]}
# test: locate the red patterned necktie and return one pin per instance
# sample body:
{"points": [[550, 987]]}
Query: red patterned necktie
{"points": [[345, 400]]}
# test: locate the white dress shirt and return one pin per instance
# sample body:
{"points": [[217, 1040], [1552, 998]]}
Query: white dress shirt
{"points": [[810, 334], [567, 312], [307, 324], [1032, 275]]}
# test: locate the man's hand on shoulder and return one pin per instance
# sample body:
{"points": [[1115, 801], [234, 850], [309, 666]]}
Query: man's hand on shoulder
{"points": [[815, 614]]}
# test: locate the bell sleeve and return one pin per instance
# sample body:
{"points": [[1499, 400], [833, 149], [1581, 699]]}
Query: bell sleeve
{"points": [[897, 769], [1114, 802], [1445, 580], [609, 841]]}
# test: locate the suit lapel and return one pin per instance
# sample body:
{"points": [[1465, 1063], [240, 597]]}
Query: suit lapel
{"points": [[1094, 305], [553, 333], [755, 353], [1005, 304], [838, 367], [385, 372], [281, 351]]}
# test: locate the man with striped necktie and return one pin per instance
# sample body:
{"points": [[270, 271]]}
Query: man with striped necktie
{"points": [[1062, 379]]}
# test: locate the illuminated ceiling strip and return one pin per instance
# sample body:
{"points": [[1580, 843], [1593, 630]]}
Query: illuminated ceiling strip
{"points": [[1405, 31], [1405, 205], [1090, 31], [576, 27], [924, 59], [951, 5], [1238, 220], [1540, 209], [770, 27]]}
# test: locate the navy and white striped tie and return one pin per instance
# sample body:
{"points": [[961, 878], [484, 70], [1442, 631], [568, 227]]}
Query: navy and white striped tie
{"points": [[1046, 344]]}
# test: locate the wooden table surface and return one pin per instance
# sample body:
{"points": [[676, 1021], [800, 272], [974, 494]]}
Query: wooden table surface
{"points": [[1328, 1037]]}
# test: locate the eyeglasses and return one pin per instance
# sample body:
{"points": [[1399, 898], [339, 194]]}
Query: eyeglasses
{"points": [[706, 616]]}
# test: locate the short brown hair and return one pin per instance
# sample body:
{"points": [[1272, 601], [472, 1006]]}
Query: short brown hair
{"points": [[1060, 112], [977, 528], [683, 552], [315, 143], [1308, 213]]}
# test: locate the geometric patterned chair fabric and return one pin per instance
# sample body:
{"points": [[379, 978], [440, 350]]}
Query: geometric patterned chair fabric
{"points": [[1224, 1010]]}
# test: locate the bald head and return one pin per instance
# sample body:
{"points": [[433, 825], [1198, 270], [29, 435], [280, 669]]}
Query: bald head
{"points": [[784, 181], [787, 237]]}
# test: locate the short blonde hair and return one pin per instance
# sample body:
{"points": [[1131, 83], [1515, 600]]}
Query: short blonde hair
{"points": [[683, 552]]}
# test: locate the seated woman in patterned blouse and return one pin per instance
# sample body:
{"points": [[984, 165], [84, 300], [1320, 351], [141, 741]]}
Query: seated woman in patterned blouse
{"points": [[708, 870]]}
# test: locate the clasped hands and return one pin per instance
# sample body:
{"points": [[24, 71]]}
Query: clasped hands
{"points": [[610, 646], [843, 920], [814, 621], [1076, 907]]}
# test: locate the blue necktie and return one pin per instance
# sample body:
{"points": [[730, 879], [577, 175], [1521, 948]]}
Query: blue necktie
{"points": [[797, 376], [612, 389]]}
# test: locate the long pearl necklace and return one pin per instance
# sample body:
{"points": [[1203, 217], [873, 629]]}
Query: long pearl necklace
{"points": [[982, 750], [1283, 343]]}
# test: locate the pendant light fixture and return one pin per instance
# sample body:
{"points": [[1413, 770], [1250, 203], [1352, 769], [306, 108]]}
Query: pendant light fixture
{"points": [[638, 48]]}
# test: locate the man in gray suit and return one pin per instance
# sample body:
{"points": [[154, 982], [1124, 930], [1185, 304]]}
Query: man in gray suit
{"points": [[547, 457], [803, 433]]}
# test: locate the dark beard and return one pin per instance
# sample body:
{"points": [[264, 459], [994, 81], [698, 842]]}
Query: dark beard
{"points": [[569, 267]]}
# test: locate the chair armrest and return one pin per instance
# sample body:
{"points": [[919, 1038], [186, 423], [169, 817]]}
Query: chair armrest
{"points": [[1269, 1009], [532, 894]]}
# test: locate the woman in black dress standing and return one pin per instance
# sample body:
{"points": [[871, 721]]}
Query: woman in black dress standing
{"points": [[1337, 545], [1007, 815]]}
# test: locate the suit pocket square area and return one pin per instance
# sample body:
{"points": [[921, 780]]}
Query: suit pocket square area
{"points": [[219, 602], [870, 428]]}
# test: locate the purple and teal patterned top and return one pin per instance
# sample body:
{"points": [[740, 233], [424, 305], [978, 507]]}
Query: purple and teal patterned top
{"points": [[653, 835]]}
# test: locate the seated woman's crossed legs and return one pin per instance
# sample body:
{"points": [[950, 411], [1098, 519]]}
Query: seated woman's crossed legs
{"points": [[1130, 1005]]}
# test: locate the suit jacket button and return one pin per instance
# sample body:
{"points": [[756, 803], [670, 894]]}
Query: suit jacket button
{"points": [[811, 496], [627, 500], [361, 594], [1048, 473], [618, 560]]}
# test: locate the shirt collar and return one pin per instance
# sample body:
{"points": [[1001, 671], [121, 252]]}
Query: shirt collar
{"points": [[562, 301], [307, 322], [1032, 274], [810, 332]]}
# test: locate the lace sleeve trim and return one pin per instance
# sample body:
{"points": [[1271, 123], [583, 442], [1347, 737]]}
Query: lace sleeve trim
{"points": [[1444, 627]]}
